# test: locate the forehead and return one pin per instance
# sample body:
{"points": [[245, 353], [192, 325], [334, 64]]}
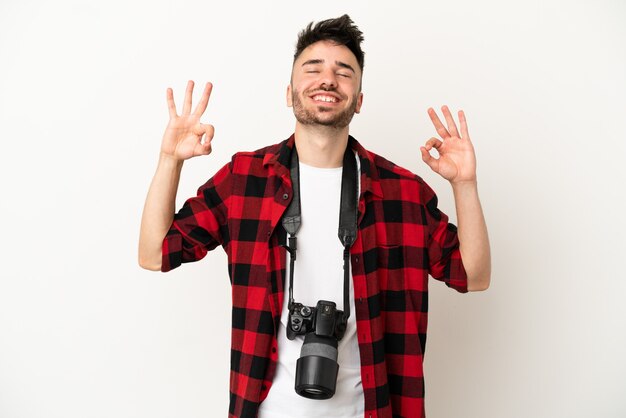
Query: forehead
{"points": [[328, 51]]}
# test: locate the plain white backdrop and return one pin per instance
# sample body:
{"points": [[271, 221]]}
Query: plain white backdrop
{"points": [[84, 332]]}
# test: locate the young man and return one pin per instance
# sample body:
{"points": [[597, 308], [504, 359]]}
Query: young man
{"points": [[400, 238]]}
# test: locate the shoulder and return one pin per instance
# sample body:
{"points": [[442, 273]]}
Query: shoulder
{"points": [[260, 153], [257, 162], [254, 163], [393, 181], [387, 171]]}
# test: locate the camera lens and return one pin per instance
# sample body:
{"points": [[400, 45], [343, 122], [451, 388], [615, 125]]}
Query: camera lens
{"points": [[317, 368]]}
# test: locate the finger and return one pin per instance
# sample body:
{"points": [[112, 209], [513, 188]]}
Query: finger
{"points": [[433, 143], [450, 120], [170, 103], [204, 148], [441, 130], [429, 159], [209, 131], [463, 121], [202, 130], [188, 96], [202, 104]]}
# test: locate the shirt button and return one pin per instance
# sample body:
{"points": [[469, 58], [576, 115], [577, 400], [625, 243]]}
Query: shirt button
{"points": [[273, 349], [264, 387], [285, 196]]}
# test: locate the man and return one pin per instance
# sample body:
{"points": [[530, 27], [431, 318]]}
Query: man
{"points": [[401, 238]]}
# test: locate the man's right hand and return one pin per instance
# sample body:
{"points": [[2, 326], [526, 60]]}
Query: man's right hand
{"points": [[183, 137]]}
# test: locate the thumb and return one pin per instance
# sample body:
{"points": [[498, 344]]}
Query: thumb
{"points": [[197, 129]]}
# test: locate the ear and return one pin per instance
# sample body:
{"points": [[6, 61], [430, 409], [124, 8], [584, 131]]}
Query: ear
{"points": [[359, 103], [289, 96]]}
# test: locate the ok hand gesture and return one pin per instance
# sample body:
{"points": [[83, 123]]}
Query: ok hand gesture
{"points": [[457, 161], [184, 134]]}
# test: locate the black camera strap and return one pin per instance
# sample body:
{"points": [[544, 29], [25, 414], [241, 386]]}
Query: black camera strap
{"points": [[347, 220]]}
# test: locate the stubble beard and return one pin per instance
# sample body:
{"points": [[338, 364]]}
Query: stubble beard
{"points": [[309, 117]]}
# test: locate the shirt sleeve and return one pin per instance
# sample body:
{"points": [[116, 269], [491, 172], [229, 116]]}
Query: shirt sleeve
{"points": [[201, 224], [444, 255]]}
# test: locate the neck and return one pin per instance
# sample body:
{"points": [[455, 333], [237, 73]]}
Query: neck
{"points": [[321, 146]]}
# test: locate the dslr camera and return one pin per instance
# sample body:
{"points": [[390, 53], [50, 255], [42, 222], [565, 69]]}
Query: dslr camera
{"points": [[317, 367]]}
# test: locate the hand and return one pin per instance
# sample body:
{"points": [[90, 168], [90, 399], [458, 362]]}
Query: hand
{"points": [[457, 161], [183, 136]]}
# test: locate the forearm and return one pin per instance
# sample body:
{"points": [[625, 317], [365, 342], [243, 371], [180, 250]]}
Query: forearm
{"points": [[158, 212], [473, 237]]}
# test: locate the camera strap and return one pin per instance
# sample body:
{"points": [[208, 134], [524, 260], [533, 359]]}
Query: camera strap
{"points": [[347, 220]]}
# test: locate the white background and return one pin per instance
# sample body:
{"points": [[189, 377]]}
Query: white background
{"points": [[84, 332]]}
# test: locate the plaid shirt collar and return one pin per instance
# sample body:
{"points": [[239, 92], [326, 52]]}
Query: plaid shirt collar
{"points": [[370, 182]]}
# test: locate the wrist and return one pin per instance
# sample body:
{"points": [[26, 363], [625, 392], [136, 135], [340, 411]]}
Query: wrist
{"points": [[169, 161], [464, 186]]}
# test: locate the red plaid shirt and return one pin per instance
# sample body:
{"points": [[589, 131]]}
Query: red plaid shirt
{"points": [[402, 238]]}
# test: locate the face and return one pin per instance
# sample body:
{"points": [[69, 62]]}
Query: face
{"points": [[325, 85]]}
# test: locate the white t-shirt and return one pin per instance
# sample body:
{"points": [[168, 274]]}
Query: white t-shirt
{"points": [[318, 275]]}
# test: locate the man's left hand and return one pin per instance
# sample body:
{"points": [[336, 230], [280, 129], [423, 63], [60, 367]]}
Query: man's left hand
{"points": [[457, 161]]}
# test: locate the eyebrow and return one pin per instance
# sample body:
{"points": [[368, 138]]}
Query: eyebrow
{"points": [[321, 61]]}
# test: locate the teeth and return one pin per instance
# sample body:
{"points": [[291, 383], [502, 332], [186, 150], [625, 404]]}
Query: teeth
{"points": [[325, 99]]}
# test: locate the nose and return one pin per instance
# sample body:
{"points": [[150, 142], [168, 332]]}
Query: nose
{"points": [[328, 79]]}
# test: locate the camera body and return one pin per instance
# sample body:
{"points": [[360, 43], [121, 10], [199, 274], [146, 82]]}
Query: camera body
{"points": [[317, 367], [324, 320]]}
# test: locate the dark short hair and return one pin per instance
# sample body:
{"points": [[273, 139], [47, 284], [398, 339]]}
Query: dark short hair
{"points": [[341, 31]]}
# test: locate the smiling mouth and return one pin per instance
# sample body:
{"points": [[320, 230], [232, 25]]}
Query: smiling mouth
{"points": [[324, 98]]}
